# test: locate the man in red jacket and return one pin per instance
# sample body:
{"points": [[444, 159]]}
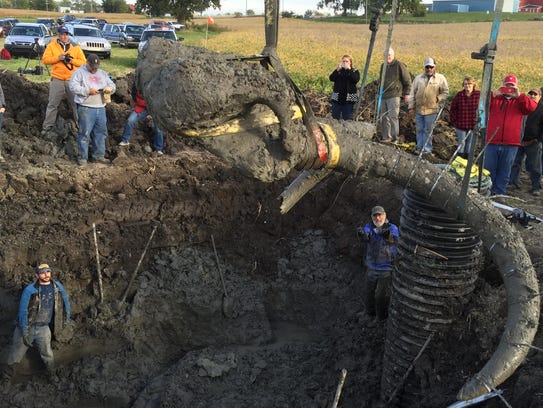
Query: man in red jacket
{"points": [[139, 113], [507, 109]]}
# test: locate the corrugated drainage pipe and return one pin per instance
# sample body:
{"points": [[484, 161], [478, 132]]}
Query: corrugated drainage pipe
{"points": [[439, 259]]}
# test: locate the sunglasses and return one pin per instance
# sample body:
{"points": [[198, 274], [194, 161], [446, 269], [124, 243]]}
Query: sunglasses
{"points": [[429, 67], [532, 94]]}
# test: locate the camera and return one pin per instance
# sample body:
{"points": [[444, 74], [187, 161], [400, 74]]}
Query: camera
{"points": [[67, 58], [507, 90]]}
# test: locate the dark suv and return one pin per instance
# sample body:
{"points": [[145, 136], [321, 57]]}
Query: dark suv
{"points": [[50, 23], [8, 24]]}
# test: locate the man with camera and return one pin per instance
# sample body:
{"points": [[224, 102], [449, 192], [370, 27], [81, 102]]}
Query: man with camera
{"points": [[508, 107], [380, 237], [65, 58]]}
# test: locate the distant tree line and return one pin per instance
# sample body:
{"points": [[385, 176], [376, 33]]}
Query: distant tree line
{"points": [[87, 6], [346, 7]]}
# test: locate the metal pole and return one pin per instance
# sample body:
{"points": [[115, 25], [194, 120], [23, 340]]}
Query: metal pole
{"points": [[487, 53]]}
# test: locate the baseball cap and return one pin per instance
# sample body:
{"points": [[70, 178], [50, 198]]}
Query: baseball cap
{"points": [[429, 62], [510, 79], [93, 60], [63, 30], [377, 210], [42, 268]]}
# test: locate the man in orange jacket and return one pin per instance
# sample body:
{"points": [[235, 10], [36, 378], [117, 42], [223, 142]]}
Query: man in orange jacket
{"points": [[65, 58]]}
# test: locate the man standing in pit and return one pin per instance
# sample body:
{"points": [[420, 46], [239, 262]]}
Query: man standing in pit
{"points": [[44, 305], [381, 238], [65, 58]]}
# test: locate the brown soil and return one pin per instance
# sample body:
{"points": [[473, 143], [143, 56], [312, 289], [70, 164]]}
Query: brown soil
{"points": [[291, 317]]}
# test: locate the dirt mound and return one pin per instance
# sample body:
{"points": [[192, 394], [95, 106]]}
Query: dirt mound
{"points": [[292, 314]]}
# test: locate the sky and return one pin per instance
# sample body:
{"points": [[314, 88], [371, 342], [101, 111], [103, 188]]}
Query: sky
{"points": [[297, 6]]}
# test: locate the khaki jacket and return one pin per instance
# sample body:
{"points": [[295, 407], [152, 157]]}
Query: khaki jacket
{"points": [[428, 95]]}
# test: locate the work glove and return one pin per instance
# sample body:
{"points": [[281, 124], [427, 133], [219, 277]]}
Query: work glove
{"points": [[106, 94], [385, 233], [363, 233], [27, 340]]}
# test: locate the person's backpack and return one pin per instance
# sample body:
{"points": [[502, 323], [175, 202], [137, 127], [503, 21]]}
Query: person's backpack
{"points": [[5, 54]]}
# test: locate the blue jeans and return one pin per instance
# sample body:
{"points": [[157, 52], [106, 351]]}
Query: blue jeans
{"points": [[40, 336], [498, 161], [133, 119], [93, 127], [425, 125], [461, 137], [342, 111], [533, 165]]}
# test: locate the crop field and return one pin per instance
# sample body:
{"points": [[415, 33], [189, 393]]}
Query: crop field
{"points": [[311, 49]]}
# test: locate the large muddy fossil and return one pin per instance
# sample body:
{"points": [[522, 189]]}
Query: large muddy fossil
{"points": [[249, 115]]}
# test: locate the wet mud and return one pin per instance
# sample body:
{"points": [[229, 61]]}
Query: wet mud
{"points": [[289, 316]]}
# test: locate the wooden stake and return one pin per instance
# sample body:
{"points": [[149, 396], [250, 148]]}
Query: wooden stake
{"points": [[339, 387], [138, 265], [100, 288]]}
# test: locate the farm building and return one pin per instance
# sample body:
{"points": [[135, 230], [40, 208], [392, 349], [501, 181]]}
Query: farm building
{"points": [[531, 6], [463, 6]]}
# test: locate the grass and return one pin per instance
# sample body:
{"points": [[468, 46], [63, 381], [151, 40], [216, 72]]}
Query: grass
{"points": [[310, 49]]}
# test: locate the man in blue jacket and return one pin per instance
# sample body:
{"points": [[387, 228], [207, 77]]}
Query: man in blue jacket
{"points": [[381, 238], [44, 305]]}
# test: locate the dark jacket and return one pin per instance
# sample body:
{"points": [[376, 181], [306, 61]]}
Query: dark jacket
{"points": [[381, 245], [533, 129], [397, 80], [345, 81], [30, 305]]}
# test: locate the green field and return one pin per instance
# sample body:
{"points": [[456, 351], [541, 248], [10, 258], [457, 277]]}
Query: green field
{"points": [[310, 49]]}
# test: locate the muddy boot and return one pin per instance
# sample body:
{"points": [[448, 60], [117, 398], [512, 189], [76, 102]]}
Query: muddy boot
{"points": [[52, 375]]}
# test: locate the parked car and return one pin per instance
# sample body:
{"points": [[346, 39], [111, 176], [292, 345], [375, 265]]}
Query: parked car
{"points": [[27, 40], [89, 21], [162, 33], [65, 19], [8, 24], [112, 32], [131, 35], [175, 25], [101, 23], [90, 39], [50, 23], [159, 24]]}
